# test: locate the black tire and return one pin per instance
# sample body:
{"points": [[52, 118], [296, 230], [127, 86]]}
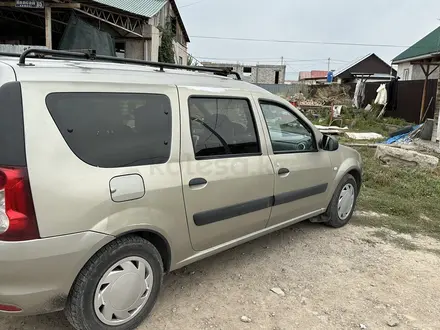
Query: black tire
{"points": [[80, 303], [332, 211]]}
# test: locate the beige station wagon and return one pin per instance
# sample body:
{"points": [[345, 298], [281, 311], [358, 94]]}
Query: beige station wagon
{"points": [[113, 174]]}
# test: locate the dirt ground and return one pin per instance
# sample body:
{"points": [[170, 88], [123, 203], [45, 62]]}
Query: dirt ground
{"points": [[352, 278]]}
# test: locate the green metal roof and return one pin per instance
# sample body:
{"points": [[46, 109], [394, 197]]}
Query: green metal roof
{"points": [[428, 45], [146, 8]]}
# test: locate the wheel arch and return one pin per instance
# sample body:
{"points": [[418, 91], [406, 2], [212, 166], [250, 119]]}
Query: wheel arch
{"points": [[348, 167], [357, 175], [158, 240]]}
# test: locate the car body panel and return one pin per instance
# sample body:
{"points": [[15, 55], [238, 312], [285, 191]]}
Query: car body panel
{"points": [[37, 275], [304, 189], [247, 182]]}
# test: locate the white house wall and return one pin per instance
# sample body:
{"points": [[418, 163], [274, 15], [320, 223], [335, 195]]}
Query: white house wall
{"points": [[415, 72], [180, 53], [159, 20], [401, 70]]}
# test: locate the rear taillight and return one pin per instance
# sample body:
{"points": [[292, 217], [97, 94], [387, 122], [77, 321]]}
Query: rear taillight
{"points": [[17, 214], [10, 308]]}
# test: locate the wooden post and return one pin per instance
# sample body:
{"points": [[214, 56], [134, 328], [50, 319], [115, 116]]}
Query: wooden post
{"points": [[425, 87], [422, 110], [48, 20]]}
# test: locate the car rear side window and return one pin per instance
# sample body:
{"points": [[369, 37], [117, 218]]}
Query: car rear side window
{"points": [[12, 144], [222, 127], [114, 129]]}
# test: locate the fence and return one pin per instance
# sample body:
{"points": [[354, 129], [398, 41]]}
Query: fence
{"points": [[408, 101], [406, 104], [286, 90]]}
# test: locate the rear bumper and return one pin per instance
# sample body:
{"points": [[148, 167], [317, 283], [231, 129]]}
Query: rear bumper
{"points": [[36, 276]]}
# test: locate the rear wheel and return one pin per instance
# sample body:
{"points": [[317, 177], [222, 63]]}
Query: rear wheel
{"points": [[117, 288], [342, 205]]}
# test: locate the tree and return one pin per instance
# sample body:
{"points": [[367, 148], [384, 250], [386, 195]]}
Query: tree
{"points": [[191, 61], [166, 48]]}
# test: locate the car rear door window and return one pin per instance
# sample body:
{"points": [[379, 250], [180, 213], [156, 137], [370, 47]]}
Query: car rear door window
{"points": [[223, 127], [114, 129]]}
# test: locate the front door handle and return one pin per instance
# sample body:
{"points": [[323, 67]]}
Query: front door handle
{"points": [[283, 171], [197, 182]]}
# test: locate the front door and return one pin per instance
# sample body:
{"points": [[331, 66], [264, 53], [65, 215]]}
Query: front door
{"points": [[303, 173], [226, 171]]}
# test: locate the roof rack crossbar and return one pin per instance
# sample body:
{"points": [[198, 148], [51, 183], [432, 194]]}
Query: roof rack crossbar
{"points": [[91, 55]]}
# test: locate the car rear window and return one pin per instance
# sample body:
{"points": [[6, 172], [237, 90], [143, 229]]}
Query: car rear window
{"points": [[114, 129], [12, 145]]}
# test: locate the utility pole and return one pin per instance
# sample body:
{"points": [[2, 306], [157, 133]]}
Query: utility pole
{"points": [[329, 60], [282, 60]]}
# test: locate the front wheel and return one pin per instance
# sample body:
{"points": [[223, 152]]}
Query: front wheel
{"points": [[342, 205], [117, 288]]}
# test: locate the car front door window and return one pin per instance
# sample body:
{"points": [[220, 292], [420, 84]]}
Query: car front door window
{"points": [[287, 132]]}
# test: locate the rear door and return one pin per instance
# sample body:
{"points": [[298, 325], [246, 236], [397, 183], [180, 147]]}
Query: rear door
{"points": [[303, 172], [226, 172], [105, 157]]}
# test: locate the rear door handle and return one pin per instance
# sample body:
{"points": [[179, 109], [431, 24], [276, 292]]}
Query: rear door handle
{"points": [[283, 171], [197, 182]]}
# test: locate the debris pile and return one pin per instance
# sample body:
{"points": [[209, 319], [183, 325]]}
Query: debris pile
{"points": [[332, 94], [405, 135]]}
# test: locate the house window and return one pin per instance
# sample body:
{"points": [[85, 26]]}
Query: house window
{"points": [[277, 77], [120, 49], [406, 74], [174, 25], [180, 60], [247, 71]]}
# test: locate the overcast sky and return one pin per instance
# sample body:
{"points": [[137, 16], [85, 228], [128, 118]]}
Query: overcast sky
{"points": [[384, 22]]}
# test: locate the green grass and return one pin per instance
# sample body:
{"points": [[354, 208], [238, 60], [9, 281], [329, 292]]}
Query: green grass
{"points": [[403, 193]]}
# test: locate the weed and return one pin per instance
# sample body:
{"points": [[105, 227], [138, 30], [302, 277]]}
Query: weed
{"points": [[403, 193]]}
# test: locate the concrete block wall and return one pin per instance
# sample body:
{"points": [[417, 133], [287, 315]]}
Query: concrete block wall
{"points": [[266, 74], [260, 74], [135, 49]]}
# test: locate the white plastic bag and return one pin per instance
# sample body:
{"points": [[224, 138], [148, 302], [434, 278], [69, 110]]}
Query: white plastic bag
{"points": [[382, 96]]}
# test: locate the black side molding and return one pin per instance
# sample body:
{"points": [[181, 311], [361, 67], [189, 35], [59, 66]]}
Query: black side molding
{"points": [[228, 212], [207, 217], [295, 195]]}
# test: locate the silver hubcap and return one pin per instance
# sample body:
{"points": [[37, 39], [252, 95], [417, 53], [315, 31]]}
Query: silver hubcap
{"points": [[123, 291], [346, 201]]}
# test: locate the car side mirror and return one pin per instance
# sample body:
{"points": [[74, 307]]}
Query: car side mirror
{"points": [[329, 143]]}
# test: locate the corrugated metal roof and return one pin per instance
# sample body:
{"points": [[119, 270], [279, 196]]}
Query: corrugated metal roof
{"points": [[314, 74], [146, 8], [319, 74], [426, 46]]}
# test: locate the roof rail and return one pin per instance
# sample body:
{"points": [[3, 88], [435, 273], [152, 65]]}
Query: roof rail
{"points": [[92, 56]]}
